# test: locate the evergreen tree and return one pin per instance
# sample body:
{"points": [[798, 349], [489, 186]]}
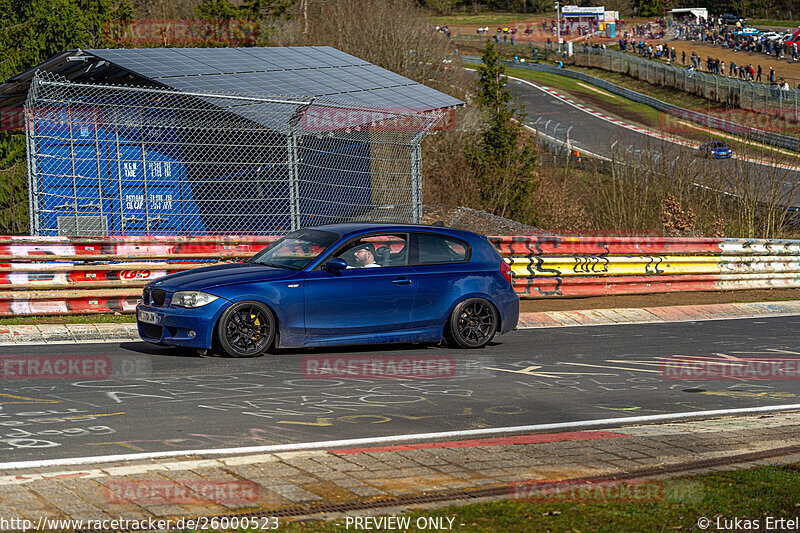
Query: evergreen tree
{"points": [[504, 158], [34, 30]]}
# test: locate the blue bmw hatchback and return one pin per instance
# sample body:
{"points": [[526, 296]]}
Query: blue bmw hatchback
{"points": [[716, 149], [358, 283]]}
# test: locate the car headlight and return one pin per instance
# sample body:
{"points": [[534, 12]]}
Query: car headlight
{"points": [[192, 299]]}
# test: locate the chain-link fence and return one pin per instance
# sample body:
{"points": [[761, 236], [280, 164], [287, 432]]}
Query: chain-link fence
{"points": [[744, 94], [119, 160]]}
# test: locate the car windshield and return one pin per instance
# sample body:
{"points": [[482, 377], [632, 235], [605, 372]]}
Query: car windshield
{"points": [[295, 250]]}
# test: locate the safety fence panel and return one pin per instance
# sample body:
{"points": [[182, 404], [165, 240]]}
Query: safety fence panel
{"points": [[121, 160], [81, 275]]}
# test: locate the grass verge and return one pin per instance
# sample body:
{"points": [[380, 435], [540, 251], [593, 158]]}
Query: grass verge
{"points": [[483, 19], [100, 318], [677, 504], [773, 22]]}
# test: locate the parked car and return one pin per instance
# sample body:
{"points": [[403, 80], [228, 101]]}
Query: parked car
{"points": [[318, 287], [716, 149], [731, 19]]}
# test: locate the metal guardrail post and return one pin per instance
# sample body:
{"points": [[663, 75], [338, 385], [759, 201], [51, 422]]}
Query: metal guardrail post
{"points": [[33, 173], [144, 180], [766, 103], [741, 93], [70, 116]]}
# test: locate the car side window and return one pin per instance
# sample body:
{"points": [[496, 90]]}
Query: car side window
{"points": [[437, 249], [376, 251]]}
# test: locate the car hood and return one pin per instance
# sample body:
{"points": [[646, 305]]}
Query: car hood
{"points": [[206, 278]]}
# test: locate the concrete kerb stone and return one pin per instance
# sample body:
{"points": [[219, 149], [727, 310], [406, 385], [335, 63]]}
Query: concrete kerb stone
{"points": [[83, 332], [106, 332], [54, 333], [700, 440], [26, 334], [117, 331]]}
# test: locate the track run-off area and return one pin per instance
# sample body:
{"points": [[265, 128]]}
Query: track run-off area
{"points": [[167, 402]]}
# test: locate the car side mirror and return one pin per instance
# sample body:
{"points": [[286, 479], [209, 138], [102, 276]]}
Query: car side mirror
{"points": [[335, 264]]}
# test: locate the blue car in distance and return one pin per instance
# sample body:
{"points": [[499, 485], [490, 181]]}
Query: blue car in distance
{"points": [[715, 149], [340, 284]]}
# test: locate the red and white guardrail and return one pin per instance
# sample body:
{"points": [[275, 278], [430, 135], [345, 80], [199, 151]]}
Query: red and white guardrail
{"points": [[61, 275]]}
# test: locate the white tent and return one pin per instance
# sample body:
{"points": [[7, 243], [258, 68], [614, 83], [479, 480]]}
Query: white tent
{"points": [[696, 12]]}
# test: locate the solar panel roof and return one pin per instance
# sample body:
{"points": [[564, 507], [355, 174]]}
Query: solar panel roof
{"points": [[304, 71]]}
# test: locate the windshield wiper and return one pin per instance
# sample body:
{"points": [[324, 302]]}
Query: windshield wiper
{"points": [[275, 265]]}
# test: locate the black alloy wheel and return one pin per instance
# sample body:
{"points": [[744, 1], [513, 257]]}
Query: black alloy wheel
{"points": [[472, 324], [246, 329]]}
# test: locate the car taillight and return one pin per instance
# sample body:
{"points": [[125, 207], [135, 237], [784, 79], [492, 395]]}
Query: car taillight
{"points": [[505, 270]]}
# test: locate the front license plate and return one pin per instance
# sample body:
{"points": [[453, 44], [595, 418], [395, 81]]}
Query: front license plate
{"points": [[147, 316]]}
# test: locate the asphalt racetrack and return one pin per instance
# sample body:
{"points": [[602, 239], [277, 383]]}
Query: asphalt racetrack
{"points": [[167, 400], [597, 135]]}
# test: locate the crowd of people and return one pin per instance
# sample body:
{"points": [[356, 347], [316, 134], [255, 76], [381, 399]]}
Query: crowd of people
{"points": [[650, 30], [742, 42], [695, 63], [444, 29]]}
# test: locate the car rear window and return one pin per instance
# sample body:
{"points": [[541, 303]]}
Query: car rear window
{"points": [[437, 249]]}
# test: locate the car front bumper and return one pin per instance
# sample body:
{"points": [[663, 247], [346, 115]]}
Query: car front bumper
{"points": [[178, 326]]}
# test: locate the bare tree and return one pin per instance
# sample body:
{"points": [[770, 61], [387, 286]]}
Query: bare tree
{"points": [[394, 34]]}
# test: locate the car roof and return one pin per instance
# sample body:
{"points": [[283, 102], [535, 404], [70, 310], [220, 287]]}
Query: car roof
{"points": [[353, 228]]}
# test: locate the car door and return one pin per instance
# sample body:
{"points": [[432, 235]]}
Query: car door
{"points": [[358, 301], [442, 263]]}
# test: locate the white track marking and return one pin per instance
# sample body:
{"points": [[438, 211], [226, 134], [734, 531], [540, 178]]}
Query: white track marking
{"points": [[323, 445]]}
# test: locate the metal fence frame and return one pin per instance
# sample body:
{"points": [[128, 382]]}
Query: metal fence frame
{"points": [[365, 166]]}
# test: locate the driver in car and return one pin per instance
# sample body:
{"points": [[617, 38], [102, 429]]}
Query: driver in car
{"points": [[365, 256]]}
